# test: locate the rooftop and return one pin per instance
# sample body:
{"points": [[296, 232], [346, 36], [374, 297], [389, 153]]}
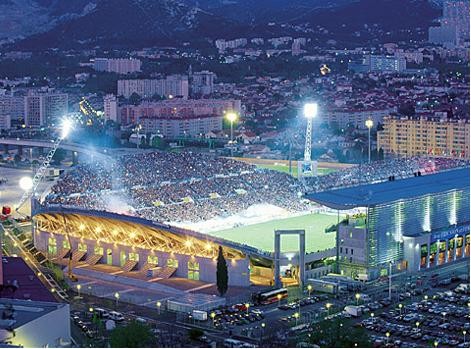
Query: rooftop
{"points": [[381, 193], [24, 311], [23, 282]]}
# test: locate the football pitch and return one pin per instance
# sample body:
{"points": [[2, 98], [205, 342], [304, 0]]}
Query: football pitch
{"points": [[321, 171], [261, 235]]}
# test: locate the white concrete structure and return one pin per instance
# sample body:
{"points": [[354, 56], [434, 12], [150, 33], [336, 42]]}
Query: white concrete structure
{"points": [[110, 105], [202, 82], [171, 86], [177, 108], [117, 65], [175, 127], [34, 324], [45, 107]]}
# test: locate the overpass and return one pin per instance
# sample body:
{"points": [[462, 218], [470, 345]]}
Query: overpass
{"points": [[100, 153]]}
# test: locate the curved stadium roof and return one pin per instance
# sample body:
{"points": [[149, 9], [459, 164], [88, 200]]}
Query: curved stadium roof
{"points": [[385, 192]]}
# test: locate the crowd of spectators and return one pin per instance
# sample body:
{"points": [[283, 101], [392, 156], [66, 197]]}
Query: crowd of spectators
{"points": [[193, 187], [382, 170]]}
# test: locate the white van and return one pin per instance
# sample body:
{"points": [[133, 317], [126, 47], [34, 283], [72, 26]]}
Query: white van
{"points": [[102, 313], [114, 315]]}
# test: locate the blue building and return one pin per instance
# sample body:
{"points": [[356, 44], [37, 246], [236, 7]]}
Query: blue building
{"points": [[415, 223]]}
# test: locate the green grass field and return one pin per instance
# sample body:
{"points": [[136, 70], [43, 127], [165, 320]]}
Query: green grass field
{"points": [[261, 235], [285, 168]]}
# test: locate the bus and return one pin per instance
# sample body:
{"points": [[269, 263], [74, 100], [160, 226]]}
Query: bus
{"points": [[269, 297]]}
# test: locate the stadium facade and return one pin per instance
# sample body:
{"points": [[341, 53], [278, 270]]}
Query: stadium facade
{"points": [[410, 224], [136, 247]]}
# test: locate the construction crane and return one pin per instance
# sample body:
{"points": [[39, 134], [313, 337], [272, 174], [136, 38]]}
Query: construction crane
{"points": [[30, 186]]}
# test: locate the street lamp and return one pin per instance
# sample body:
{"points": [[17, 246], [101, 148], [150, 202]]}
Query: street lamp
{"points": [[357, 296], [426, 297], [158, 307], [247, 305], [79, 287], [262, 331], [116, 296], [309, 289], [417, 324], [231, 116], [400, 308], [328, 305], [212, 315], [464, 336], [369, 124], [296, 316], [387, 337], [279, 298], [372, 314], [435, 344]]}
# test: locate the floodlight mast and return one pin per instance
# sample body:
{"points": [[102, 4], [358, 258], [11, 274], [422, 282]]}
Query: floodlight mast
{"points": [[67, 125], [310, 112]]}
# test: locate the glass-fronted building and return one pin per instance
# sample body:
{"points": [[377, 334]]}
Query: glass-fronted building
{"points": [[415, 223]]}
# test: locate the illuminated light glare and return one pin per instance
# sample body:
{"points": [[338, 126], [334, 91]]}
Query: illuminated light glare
{"points": [[188, 243], [369, 123], [231, 116], [66, 127], [453, 208], [427, 222], [26, 183], [310, 110]]}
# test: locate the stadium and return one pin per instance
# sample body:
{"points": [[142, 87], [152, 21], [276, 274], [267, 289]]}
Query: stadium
{"points": [[159, 217]]}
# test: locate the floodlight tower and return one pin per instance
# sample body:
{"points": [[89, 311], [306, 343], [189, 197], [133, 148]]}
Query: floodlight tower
{"points": [[310, 112], [30, 188]]}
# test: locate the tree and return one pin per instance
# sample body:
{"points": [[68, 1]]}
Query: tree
{"points": [[335, 334], [134, 335], [195, 333], [135, 99], [221, 273]]}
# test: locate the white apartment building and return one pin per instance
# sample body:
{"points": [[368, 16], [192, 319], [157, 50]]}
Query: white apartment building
{"points": [[345, 117], [12, 108], [110, 107], [177, 108], [171, 86], [202, 82], [181, 127], [117, 65], [44, 107]]}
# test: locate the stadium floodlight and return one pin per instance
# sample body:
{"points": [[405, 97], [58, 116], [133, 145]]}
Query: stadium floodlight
{"points": [[369, 124], [232, 117], [310, 110], [66, 127], [26, 183]]}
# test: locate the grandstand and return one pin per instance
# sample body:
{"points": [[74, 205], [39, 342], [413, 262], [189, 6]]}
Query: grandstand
{"points": [[156, 215]]}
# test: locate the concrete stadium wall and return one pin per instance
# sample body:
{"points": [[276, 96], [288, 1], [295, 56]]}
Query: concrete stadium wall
{"points": [[238, 270]]}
